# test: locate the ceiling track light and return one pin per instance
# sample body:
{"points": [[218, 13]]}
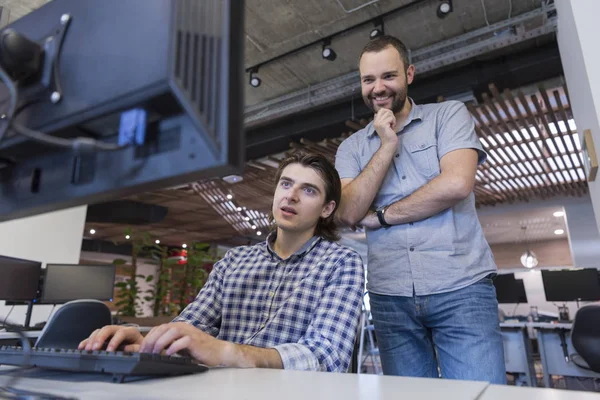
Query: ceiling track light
{"points": [[327, 53], [254, 80], [444, 8], [379, 29]]}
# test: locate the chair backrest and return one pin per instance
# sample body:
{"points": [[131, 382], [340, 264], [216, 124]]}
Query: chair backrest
{"points": [[585, 335], [74, 322]]}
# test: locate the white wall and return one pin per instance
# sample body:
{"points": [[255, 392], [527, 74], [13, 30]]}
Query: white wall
{"points": [[577, 41], [144, 267], [50, 238]]}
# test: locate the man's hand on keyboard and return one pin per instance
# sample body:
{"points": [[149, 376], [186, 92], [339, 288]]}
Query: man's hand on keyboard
{"points": [[180, 336], [122, 338]]}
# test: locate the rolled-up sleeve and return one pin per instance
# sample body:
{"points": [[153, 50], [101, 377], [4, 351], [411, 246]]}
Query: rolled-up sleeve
{"points": [[328, 342], [457, 131], [346, 159]]}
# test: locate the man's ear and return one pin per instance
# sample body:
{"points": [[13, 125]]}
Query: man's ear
{"points": [[328, 209], [410, 74]]}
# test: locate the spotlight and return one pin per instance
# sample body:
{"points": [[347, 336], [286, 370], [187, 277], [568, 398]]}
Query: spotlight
{"points": [[444, 8], [254, 80], [127, 237], [375, 33], [328, 53], [184, 245], [157, 241], [379, 30], [92, 231]]}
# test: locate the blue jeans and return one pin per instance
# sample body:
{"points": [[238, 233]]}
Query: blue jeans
{"points": [[456, 331]]}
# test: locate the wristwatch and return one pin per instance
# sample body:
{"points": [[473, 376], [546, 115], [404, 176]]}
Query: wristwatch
{"points": [[380, 217]]}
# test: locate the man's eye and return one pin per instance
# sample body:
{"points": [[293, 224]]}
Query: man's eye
{"points": [[285, 184], [309, 190]]}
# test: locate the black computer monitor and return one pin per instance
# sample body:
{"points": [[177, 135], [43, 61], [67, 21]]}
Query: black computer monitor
{"points": [[572, 285], [163, 78], [19, 279], [66, 282], [509, 290]]}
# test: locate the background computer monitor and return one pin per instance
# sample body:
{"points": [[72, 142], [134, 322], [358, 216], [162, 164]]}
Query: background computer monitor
{"points": [[19, 279], [509, 289], [572, 285], [177, 64], [66, 282]]}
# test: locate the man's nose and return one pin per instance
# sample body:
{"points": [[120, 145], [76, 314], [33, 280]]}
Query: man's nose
{"points": [[293, 194], [379, 87]]}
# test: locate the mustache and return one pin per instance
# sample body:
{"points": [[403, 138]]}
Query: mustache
{"points": [[373, 95]]}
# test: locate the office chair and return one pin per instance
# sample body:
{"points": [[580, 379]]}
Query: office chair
{"points": [[585, 336], [72, 323]]}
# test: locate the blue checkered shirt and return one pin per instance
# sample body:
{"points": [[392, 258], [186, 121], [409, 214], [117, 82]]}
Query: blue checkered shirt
{"points": [[306, 307]]}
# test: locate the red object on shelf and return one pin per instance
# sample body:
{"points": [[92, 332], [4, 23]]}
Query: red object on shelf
{"points": [[179, 255]]}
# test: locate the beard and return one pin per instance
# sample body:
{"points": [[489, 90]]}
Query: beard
{"points": [[398, 100]]}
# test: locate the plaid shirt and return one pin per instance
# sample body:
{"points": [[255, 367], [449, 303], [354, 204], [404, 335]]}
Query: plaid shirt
{"points": [[306, 307]]}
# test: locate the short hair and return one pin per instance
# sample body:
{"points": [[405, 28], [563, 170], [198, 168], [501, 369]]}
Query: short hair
{"points": [[382, 42], [326, 227]]}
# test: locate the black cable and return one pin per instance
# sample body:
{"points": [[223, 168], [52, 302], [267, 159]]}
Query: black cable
{"points": [[14, 377], [515, 310], [7, 390], [14, 99], [79, 144], [7, 315]]}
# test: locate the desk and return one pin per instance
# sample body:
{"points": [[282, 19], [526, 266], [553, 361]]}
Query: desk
{"points": [[552, 355], [13, 335], [13, 339], [250, 384], [498, 392], [518, 357]]}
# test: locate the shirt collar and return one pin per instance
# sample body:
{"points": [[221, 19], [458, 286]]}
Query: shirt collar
{"points": [[310, 243], [416, 113]]}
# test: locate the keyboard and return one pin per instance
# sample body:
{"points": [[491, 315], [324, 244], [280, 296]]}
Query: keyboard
{"points": [[120, 364]]}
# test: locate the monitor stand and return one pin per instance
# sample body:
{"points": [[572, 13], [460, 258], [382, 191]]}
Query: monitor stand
{"points": [[28, 314]]}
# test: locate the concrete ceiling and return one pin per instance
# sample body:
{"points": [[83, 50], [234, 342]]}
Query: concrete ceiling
{"points": [[274, 27]]}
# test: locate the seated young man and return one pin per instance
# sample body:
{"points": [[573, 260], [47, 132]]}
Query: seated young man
{"points": [[290, 302]]}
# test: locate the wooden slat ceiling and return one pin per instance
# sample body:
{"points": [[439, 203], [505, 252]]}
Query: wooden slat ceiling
{"points": [[531, 139]]}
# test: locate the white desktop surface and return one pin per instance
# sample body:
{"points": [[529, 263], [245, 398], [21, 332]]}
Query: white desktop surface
{"points": [[13, 335], [250, 384], [498, 392]]}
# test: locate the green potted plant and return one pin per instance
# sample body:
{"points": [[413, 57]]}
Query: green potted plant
{"points": [[128, 290]]}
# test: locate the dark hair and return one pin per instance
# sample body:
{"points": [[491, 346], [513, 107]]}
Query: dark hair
{"points": [[382, 42], [326, 227]]}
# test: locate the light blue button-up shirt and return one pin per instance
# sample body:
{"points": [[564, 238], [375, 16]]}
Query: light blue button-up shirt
{"points": [[444, 252]]}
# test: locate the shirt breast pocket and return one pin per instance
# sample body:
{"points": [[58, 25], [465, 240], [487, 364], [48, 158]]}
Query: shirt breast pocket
{"points": [[424, 158]]}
